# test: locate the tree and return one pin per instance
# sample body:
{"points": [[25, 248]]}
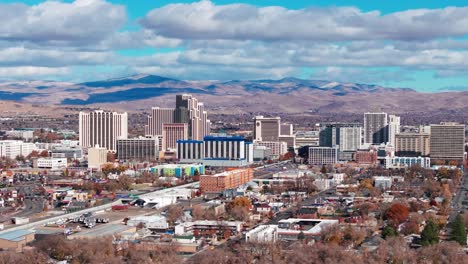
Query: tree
{"points": [[173, 213], [430, 234], [301, 236], [125, 182], [389, 231], [242, 201], [458, 232], [397, 214], [324, 169]]}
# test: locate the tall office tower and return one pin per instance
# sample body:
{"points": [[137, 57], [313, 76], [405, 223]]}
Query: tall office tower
{"points": [[102, 128], [447, 141], [267, 128], [345, 135], [410, 144], [188, 111], [375, 128], [393, 128], [159, 116], [172, 133]]}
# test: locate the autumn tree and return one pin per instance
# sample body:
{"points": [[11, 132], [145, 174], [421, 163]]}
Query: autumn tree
{"points": [[173, 213], [397, 214]]}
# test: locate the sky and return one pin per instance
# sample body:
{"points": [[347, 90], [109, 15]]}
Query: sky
{"points": [[410, 44]]}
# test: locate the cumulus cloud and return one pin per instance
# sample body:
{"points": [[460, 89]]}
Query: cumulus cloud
{"points": [[205, 20], [31, 72], [77, 23], [22, 56]]}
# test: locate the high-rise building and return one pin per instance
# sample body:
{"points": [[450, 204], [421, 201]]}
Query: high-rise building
{"points": [[144, 149], [447, 141], [187, 111], [267, 128], [323, 155], [393, 128], [375, 128], [409, 144], [286, 129], [158, 117], [347, 136], [173, 132], [102, 128]]}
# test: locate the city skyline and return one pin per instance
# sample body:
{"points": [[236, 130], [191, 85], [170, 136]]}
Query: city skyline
{"points": [[347, 41]]}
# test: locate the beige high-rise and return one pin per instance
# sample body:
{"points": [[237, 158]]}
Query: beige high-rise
{"points": [[102, 128], [447, 141]]}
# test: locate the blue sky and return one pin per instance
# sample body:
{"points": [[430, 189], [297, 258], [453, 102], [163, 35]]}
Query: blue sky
{"points": [[415, 44]]}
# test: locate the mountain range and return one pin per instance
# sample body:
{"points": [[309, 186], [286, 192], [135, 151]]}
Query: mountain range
{"points": [[290, 95]]}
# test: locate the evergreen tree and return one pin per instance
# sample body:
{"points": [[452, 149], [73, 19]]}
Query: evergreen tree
{"points": [[389, 231], [301, 236], [324, 169], [458, 232], [430, 234]]}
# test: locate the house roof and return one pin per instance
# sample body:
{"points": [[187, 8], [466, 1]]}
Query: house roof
{"points": [[16, 235]]}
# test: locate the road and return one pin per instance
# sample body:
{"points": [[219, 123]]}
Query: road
{"points": [[460, 197]]}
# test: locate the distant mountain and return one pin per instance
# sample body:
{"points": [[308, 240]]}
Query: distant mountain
{"points": [[132, 80], [285, 95]]}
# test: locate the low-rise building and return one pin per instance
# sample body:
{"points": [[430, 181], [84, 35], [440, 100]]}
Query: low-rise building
{"points": [[366, 157], [323, 155], [51, 163], [178, 170], [220, 182], [205, 228], [97, 157], [144, 149], [16, 240], [383, 182], [291, 229], [263, 234], [151, 222], [405, 162]]}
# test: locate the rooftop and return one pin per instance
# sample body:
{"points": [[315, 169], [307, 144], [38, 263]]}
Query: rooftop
{"points": [[16, 235]]}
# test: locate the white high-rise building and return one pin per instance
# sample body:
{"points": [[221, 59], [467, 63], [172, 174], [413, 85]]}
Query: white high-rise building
{"points": [[103, 129], [375, 128], [393, 128]]}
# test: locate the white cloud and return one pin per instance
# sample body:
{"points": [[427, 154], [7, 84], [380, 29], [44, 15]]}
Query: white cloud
{"points": [[22, 56], [205, 20], [31, 72], [57, 23]]}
